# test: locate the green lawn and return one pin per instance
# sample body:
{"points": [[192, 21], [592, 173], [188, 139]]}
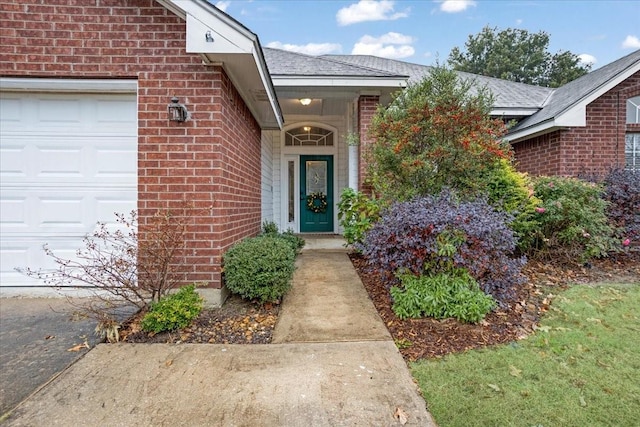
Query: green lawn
{"points": [[580, 368]]}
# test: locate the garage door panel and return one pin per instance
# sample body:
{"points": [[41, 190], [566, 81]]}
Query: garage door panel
{"points": [[13, 162], [14, 213], [59, 162], [67, 161], [29, 253], [115, 163], [61, 212], [44, 112], [11, 110], [74, 211], [58, 112]]}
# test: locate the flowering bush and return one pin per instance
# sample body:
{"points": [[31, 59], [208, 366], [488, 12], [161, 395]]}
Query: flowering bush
{"points": [[435, 134], [573, 220], [432, 235]]}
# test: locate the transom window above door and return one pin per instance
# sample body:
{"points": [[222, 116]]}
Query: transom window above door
{"points": [[308, 136]]}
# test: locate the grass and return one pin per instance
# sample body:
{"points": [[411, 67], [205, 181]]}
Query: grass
{"points": [[580, 368]]}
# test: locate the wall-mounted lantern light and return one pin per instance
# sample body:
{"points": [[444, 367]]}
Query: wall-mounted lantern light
{"points": [[305, 101], [208, 37], [177, 111]]}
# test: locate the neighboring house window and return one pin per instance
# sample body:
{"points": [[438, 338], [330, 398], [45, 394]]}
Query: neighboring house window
{"points": [[306, 136], [632, 151], [633, 110], [632, 139]]}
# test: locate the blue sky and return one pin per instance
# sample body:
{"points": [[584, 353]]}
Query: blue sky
{"points": [[425, 31]]}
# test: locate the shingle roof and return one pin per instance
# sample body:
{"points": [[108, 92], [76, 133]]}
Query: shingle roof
{"points": [[507, 94], [573, 92], [285, 63]]}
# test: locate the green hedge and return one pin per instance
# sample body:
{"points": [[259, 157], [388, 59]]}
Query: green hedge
{"points": [[260, 268]]}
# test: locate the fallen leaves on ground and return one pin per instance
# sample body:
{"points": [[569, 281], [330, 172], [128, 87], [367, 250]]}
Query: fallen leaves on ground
{"points": [[243, 322], [236, 322], [79, 347], [430, 338]]}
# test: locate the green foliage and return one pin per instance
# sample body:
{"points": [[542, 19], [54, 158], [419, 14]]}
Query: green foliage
{"points": [[580, 368], [357, 213], [448, 294], [573, 220], [270, 228], [511, 191], [517, 55], [260, 267], [173, 311], [432, 235], [435, 134]]}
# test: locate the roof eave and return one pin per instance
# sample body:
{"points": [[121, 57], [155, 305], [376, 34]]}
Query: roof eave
{"points": [[232, 42], [341, 81]]}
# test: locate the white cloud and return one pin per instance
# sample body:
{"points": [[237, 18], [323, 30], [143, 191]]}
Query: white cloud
{"points": [[587, 59], [369, 10], [390, 45], [309, 48], [455, 6], [223, 5], [631, 42]]}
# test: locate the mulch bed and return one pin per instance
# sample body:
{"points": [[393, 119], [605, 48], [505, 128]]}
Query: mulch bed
{"points": [[236, 322], [243, 322], [429, 338]]}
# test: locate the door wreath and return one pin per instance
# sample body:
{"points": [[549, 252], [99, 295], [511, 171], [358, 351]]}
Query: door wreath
{"points": [[317, 202]]}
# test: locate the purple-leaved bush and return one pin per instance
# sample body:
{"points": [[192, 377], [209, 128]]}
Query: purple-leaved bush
{"points": [[622, 191], [410, 237]]}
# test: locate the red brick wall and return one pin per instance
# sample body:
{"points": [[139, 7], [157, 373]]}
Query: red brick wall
{"points": [[367, 107], [212, 160], [592, 149]]}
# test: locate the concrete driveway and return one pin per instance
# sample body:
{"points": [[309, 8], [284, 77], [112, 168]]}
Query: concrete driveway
{"points": [[35, 334]]}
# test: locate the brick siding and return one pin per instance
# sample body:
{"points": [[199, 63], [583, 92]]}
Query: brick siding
{"points": [[211, 161], [592, 149]]}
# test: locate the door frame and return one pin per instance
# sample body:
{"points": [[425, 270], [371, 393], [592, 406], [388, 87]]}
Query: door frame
{"points": [[292, 154], [303, 194]]}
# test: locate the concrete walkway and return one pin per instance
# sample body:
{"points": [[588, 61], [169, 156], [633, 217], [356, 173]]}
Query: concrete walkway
{"points": [[332, 364]]}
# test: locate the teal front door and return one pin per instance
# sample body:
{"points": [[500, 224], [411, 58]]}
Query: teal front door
{"points": [[316, 194]]}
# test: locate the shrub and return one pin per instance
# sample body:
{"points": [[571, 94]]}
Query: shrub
{"points": [[260, 268], [126, 264], [430, 235], [174, 311], [622, 191], [447, 294], [270, 228], [357, 213], [511, 191], [573, 220], [436, 134]]}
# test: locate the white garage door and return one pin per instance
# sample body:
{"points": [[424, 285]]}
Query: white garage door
{"points": [[68, 160]]}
